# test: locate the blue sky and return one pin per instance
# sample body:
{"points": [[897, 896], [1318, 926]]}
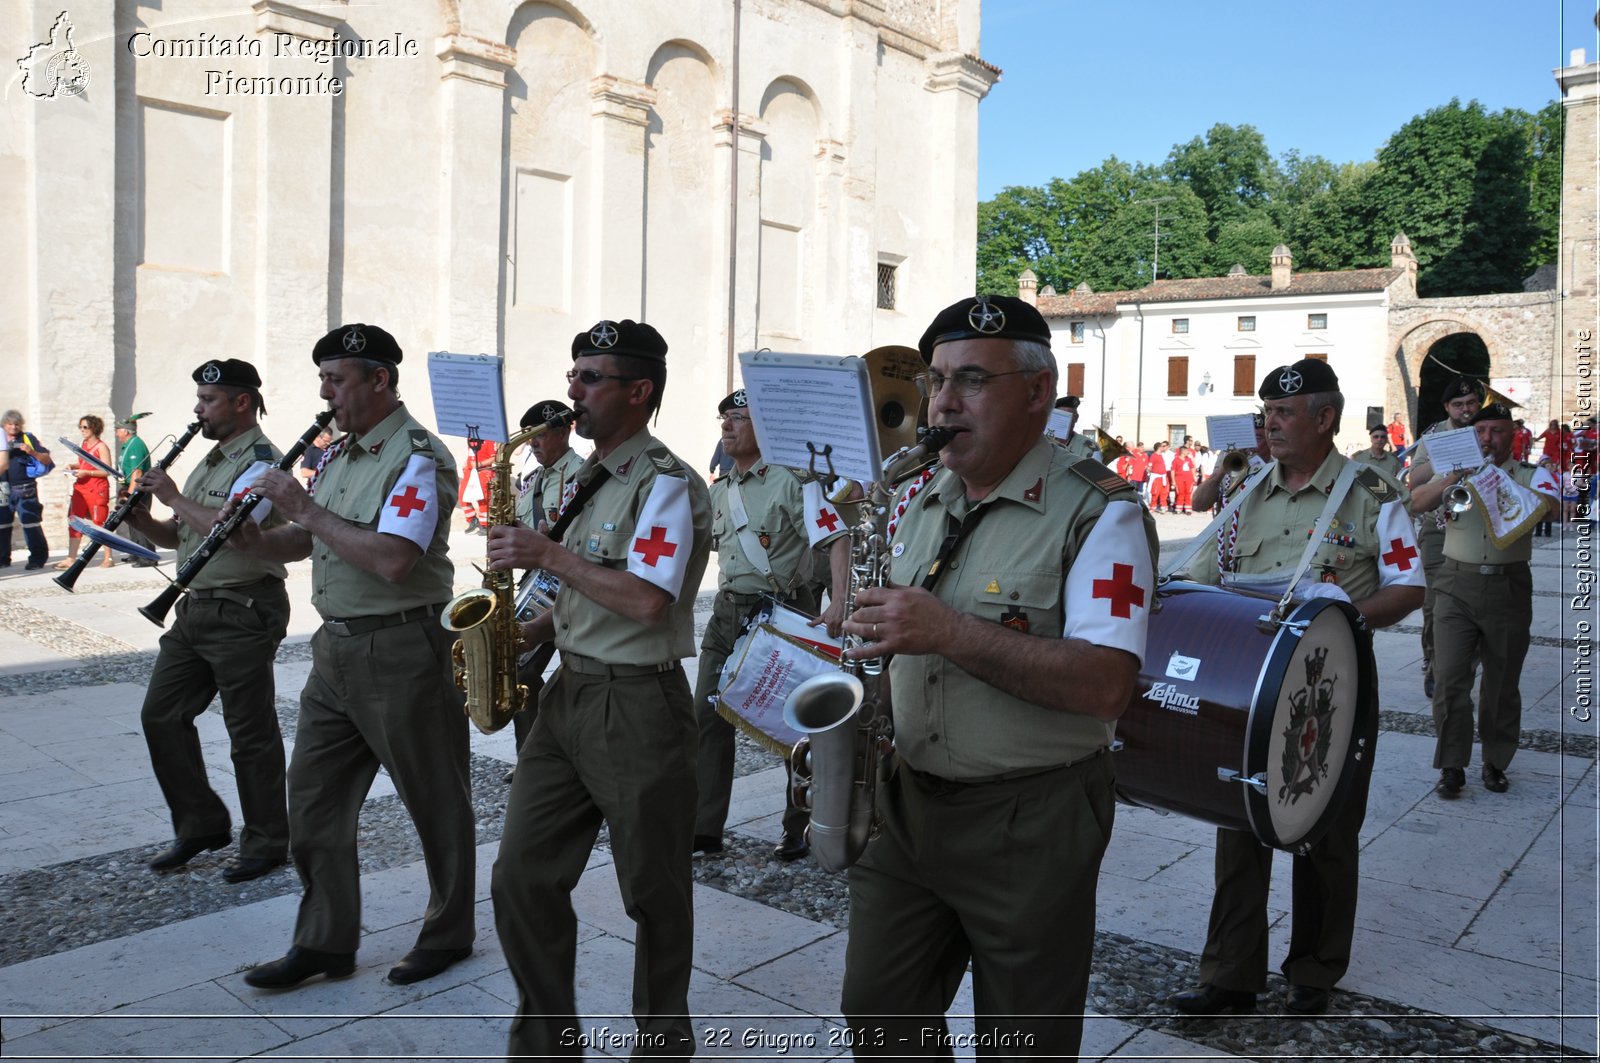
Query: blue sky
{"points": [[1086, 79]]}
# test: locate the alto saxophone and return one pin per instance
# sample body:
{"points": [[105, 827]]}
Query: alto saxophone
{"points": [[845, 715], [485, 654]]}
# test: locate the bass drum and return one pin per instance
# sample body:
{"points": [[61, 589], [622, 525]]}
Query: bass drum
{"points": [[1248, 723]]}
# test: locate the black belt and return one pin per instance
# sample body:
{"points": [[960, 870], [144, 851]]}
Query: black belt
{"points": [[590, 666], [1006, 776], [360, 625], [1482, 570], [237, 594]]}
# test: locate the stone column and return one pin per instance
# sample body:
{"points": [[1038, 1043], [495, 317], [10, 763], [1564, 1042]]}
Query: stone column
{"points": [[958, 82], [747, 241], [293, 203], [471, 189], [1577, 286], [621, 117]]}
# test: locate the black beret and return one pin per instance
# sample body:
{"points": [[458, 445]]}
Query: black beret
{"points": [[1305, 377], [1068, 402], [1461, 387], [738, 398], [234, 373], [1495, 411], [540, 412], [985, 317], [632, 338], [357, 341]]}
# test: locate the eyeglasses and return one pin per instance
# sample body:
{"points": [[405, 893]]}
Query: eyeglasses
{"points": [[591, 377], [734, 418], [84, 427], [965, 381]]}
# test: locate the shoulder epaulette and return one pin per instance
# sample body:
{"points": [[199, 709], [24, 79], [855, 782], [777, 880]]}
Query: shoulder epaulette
{"points": [[419, 440], [264, 452], [1102, 479], [664, 462], [1375, 485]]}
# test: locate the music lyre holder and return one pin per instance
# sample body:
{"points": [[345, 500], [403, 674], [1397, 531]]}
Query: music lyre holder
{"points": [[826, 454]]}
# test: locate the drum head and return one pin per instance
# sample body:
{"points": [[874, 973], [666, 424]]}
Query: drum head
{"points": [[1309, 711], [111, 540]]}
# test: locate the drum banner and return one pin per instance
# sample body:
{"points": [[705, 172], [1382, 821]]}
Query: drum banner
{"points": [[1509, 510], [777, 652]]}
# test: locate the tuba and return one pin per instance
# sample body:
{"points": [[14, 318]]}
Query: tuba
{"points": [[485, 654], [845, 715]]}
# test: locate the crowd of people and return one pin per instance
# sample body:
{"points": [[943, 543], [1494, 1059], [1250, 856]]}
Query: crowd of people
{"points": [[1013, 568]]}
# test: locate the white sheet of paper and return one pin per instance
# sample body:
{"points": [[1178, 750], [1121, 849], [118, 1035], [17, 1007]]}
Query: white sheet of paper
{"points": [[816, 399], [1234, 431], [468, 390], [1456, 449], [1060, 424]]}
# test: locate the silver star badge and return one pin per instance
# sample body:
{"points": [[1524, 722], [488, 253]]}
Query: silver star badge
{"points": [[355, 341], [985, 318], [603, 335], [740, 398], [1289, 381], [211, 373]]}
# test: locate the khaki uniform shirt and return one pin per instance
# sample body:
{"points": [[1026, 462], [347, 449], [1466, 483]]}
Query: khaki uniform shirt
{"points": [[1466, 537], [1080, 446], [1389, 461], [1010, 570], [209, 486], [1275, 522], [356, 484], [774, 503], [542, 501], [605, 532]]}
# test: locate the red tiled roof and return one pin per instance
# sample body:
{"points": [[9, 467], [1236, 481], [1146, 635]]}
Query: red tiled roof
{"points": [[1239, 286]]}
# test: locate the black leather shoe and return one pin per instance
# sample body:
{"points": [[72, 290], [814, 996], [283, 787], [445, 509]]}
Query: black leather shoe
{"points": [[297, 965], [792, 848], [1306, 1000], [706, 845], [421, 964], [1207, 999], [248, 867], [1451, 782], [1494, 780], [32, 565], [185, 849]]}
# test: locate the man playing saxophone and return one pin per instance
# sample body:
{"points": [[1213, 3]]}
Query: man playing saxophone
{"points": [[1020, 584]]}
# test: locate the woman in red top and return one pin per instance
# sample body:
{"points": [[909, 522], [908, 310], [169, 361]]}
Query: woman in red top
{"points": [[1158, 479], [91, 493]]}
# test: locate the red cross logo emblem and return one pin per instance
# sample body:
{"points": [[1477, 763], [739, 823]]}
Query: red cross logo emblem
{"points": [[655, 547], [1400, 555], [1121, 590], [1308, 738], [827, 520], [408, 500]]}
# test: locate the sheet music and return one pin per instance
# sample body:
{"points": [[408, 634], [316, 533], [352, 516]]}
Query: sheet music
{"points": [[1060, 424], [1456, 449], [823, 400], [1235, 431], [468, 389]]}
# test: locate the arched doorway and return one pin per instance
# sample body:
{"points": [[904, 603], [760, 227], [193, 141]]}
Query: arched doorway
{"points": [[1458, 354]]}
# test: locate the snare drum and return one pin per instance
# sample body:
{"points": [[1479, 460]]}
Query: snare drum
{"points": [[1248, 723], [776, 653]]}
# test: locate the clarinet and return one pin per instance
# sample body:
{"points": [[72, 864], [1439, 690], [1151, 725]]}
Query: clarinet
{"points": [[156, 611], [70, 576]]}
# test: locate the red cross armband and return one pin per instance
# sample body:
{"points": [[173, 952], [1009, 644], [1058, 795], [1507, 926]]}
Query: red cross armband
{"points": [[663, 537], [411, 507], [1109, 588], [1399, 563]]}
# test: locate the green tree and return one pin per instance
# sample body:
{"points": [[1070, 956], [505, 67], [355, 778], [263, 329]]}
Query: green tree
{"points": [[1247, 240], [1018, 229], [1545, 131], [1123, 251], [1330, 226], [1230, 170]]}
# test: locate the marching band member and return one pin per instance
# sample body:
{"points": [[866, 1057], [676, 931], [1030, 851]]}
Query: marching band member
{"points": [[614, 741], [223, 638], [996, 820], [1483, 610], [1378, 454], [381, 690], [1369, 552], [764, 522]]}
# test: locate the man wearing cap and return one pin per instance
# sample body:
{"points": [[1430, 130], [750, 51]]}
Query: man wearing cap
{"points": [[381, 691], [541, 500], [1076, 443], [1462, 399], [1379, 456], [1483, 610], [615, 738], [27, 459], [1366, 555], [1014, 572], [764, 522], [222, 640], [134, 459]]}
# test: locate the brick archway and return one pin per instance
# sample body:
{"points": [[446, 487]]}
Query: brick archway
{"points": [[1410, 346]]}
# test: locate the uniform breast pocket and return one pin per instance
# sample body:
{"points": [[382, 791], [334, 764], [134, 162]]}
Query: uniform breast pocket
{"points": [[1248, 554], [1022, 600], [608, 546]]}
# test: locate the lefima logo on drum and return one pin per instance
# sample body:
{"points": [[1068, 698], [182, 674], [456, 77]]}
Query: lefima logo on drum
{"points": [[1168, 696]]}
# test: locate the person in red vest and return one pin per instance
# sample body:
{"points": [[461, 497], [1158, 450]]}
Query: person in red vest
{"points": [[1159, 498], [1183, 479], [1124, 465], [1138, 470], [1521, 442], [476, 472], [1397, 433]]}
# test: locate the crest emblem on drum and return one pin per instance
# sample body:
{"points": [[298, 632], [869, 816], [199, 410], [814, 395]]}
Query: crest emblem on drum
{"points": [[1290, 382], [986, 318], [1309, 732]]}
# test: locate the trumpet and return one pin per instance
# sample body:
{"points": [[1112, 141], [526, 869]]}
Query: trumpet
{"points": [[156, 611], [1235, 461], [70, 576], [1458, 500]]}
